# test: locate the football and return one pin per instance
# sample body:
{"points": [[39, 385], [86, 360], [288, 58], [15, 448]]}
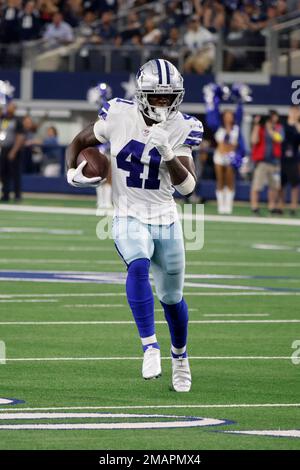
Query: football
{"points": [[97, 162]]}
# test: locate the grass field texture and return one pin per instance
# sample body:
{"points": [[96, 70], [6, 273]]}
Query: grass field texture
{"points": [[72, 347]]}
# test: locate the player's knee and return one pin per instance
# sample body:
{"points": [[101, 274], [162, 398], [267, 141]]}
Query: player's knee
{"points": [[170, 298], [139, 268]]}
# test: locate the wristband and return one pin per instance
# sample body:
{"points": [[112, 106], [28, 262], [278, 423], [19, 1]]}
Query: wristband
{"points": [[187, 186]]}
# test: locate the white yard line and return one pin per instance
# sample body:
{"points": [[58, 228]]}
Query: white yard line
{"points": [[245, 264], [263, 293], [145, 407], [95, 305], [123, 294], [92, 212], [136, 358], [48, 209], [240, 264], [27, 300], [21, 416], [58, 261], [113, 305], [75, 249], [236, 314], [51, 231], [130, 322], [62, 295]]}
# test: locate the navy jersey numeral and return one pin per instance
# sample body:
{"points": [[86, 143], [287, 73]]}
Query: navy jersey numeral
{"points": [[129, 159]]}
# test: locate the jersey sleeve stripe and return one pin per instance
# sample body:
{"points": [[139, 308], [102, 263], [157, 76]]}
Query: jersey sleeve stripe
{"points": [[197, 134], [106, 106], [192, 141], [102, 113]]}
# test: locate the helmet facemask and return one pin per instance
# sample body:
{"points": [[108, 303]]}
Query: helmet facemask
{"points": [[159, 113], [159, 77]]}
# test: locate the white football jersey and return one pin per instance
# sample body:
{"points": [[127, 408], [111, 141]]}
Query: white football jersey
{"points": [[141, 184]]}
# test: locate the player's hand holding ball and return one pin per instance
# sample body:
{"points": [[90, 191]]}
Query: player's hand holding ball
{"points": [[91, 171], [76, 178], [159, 138]]}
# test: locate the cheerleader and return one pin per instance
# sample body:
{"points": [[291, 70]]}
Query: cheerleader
{"points": [[230, 147]]}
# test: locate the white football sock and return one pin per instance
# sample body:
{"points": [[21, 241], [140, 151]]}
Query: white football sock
{"points": [[228, 200], [220, 200]]}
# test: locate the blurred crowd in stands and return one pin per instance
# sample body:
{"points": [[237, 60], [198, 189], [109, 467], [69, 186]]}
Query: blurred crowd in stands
{"points": [[172, 25]]}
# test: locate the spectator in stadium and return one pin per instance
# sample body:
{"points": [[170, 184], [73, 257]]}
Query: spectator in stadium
{"points": [[266, 140], [237, 36], [72, 11], [172, 46], [292, 5], [52, 152], [200, 43], [290, 171], [152, 34], [58, 32], [46, 9], [282, 7], [174, 16], [88, 27], [243, 33], [30, 129], [31, 146], [213, 16], [11, 142], [29, 22], [132, 28], [101, 5], [255, 16], [107, 33], [9, 24]]}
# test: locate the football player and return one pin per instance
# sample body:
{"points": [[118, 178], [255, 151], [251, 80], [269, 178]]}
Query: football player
{"points": [[151, 154]]}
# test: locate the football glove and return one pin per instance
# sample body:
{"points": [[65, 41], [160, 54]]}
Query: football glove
{"points": [[160, 139], [76, 178]]}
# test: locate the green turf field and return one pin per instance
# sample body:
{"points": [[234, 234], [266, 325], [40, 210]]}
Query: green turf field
{"points": [[73, 349]]}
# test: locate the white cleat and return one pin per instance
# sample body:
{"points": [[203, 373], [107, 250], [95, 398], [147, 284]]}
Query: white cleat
{"points": [[151, 363], [181, 375]]}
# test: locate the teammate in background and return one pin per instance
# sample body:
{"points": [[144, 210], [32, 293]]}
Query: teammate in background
{"points": [[151, 153], [266, 140], [290, 171], [230, 147]]}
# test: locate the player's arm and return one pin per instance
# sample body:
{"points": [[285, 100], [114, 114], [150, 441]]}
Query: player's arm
{"points": [[85, 138], [179, 168], [182, 171], [75, 176]]}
